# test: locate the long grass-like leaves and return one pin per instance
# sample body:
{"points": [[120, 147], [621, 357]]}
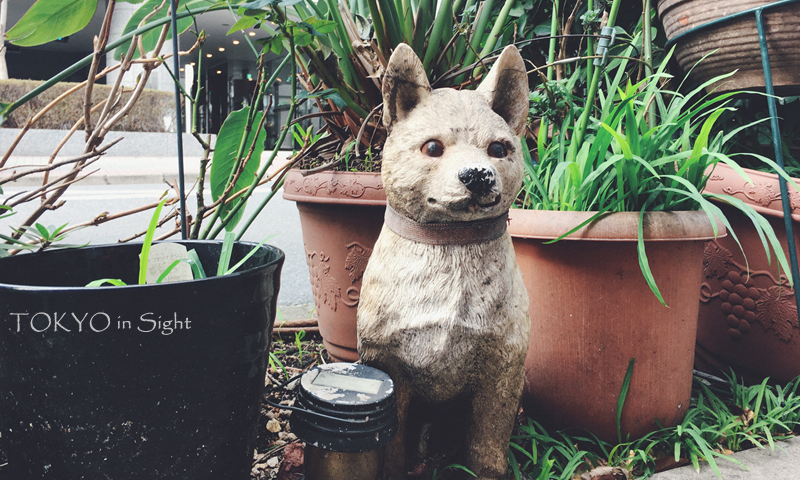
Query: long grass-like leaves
{"points": [[144, 257]]}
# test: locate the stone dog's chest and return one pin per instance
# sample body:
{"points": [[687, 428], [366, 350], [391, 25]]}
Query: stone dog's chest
{"points": [[435, 306]]}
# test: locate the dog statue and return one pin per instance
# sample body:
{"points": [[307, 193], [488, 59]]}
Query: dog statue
{"points": [[443, 309]]}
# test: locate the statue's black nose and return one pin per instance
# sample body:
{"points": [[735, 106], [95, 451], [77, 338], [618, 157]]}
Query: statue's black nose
{"points": [[478, 180]]}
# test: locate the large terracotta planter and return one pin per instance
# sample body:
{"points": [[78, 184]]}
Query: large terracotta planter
{"points": [[341, 215], [735, 41], [592, 311], [749, 323]]}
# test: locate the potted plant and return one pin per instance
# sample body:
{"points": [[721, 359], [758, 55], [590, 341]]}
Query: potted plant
{"points": [[147, 380], [622, 197], [754, 337], [134, 381], [338, 189]]}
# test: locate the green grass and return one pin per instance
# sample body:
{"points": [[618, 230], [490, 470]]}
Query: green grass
{"points": [[719, 421]]}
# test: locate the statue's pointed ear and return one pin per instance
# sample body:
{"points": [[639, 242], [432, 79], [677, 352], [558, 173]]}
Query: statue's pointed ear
{"points": [[405, 85], [506, 89]]}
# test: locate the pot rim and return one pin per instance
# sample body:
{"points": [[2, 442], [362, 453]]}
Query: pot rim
{"points": [[363, 188], [724, 171], [54, 288], [613, 227]]}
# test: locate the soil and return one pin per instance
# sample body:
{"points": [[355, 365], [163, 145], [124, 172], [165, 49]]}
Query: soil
{"points": [[275, 435], [353, 164]]}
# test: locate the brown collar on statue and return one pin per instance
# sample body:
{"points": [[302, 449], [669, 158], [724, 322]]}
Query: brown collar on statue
{"points": [[455, 233]]}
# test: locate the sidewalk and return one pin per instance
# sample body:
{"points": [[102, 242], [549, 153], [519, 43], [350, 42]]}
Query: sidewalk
{"points": [[119, 170], [757, 464], [140, 158]]}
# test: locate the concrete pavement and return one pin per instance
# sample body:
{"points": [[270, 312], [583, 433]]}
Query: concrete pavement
{"points": [[755, 464]]}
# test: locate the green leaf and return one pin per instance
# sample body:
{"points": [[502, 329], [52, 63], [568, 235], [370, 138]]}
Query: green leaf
{"points": [[43, 231], [623, 393], [167, 271], [113, 281], [49, 20], [246, 257], [225, 253], [321, 27], [242, 24], [329, 94], [644, 264], [231, 137], [194, 261], [144, 257], [256, 4]]}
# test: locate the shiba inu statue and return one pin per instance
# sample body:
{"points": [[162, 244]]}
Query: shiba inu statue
{"points": [[443, 309]]}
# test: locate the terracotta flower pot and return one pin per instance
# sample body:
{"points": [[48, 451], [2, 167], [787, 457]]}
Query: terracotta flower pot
{"points": [[748, 323], [735, 41], [592, 311], [341, 215]]}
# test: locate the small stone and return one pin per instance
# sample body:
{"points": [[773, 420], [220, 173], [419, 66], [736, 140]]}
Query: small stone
{"points": [[273, 462], [285, 413], [278, 443], [274, 426], [288, 402], [270, 414], [291, 437]]}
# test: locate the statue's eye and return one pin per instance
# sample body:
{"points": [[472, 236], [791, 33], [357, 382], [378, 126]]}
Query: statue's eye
{"points": [[497, 150], [433, 148]]}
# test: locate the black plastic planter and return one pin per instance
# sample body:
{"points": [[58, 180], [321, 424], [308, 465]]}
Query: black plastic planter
{"points": [[104, 383]]}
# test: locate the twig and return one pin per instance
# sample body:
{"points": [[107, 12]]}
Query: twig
{"points": [[567, 26], [29, 123], [49, 167], [68, 178], [99, 48], [363, 126], [106, 217], [66, 139], [201, 179], [314, 115]]}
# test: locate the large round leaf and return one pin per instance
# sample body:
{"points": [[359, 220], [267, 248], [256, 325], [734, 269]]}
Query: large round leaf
{"points": [[224, 159], [49, 20]]}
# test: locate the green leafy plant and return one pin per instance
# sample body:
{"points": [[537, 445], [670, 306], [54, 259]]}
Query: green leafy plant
{"points": [[298, 342], [223, 265], [275, 363], [39, 238], [349, 43], [623, 163], [719, 422], [452, 466]]}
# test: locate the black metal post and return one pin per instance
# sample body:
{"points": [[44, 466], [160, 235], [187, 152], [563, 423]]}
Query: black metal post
{"points": [[176, 66]]}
